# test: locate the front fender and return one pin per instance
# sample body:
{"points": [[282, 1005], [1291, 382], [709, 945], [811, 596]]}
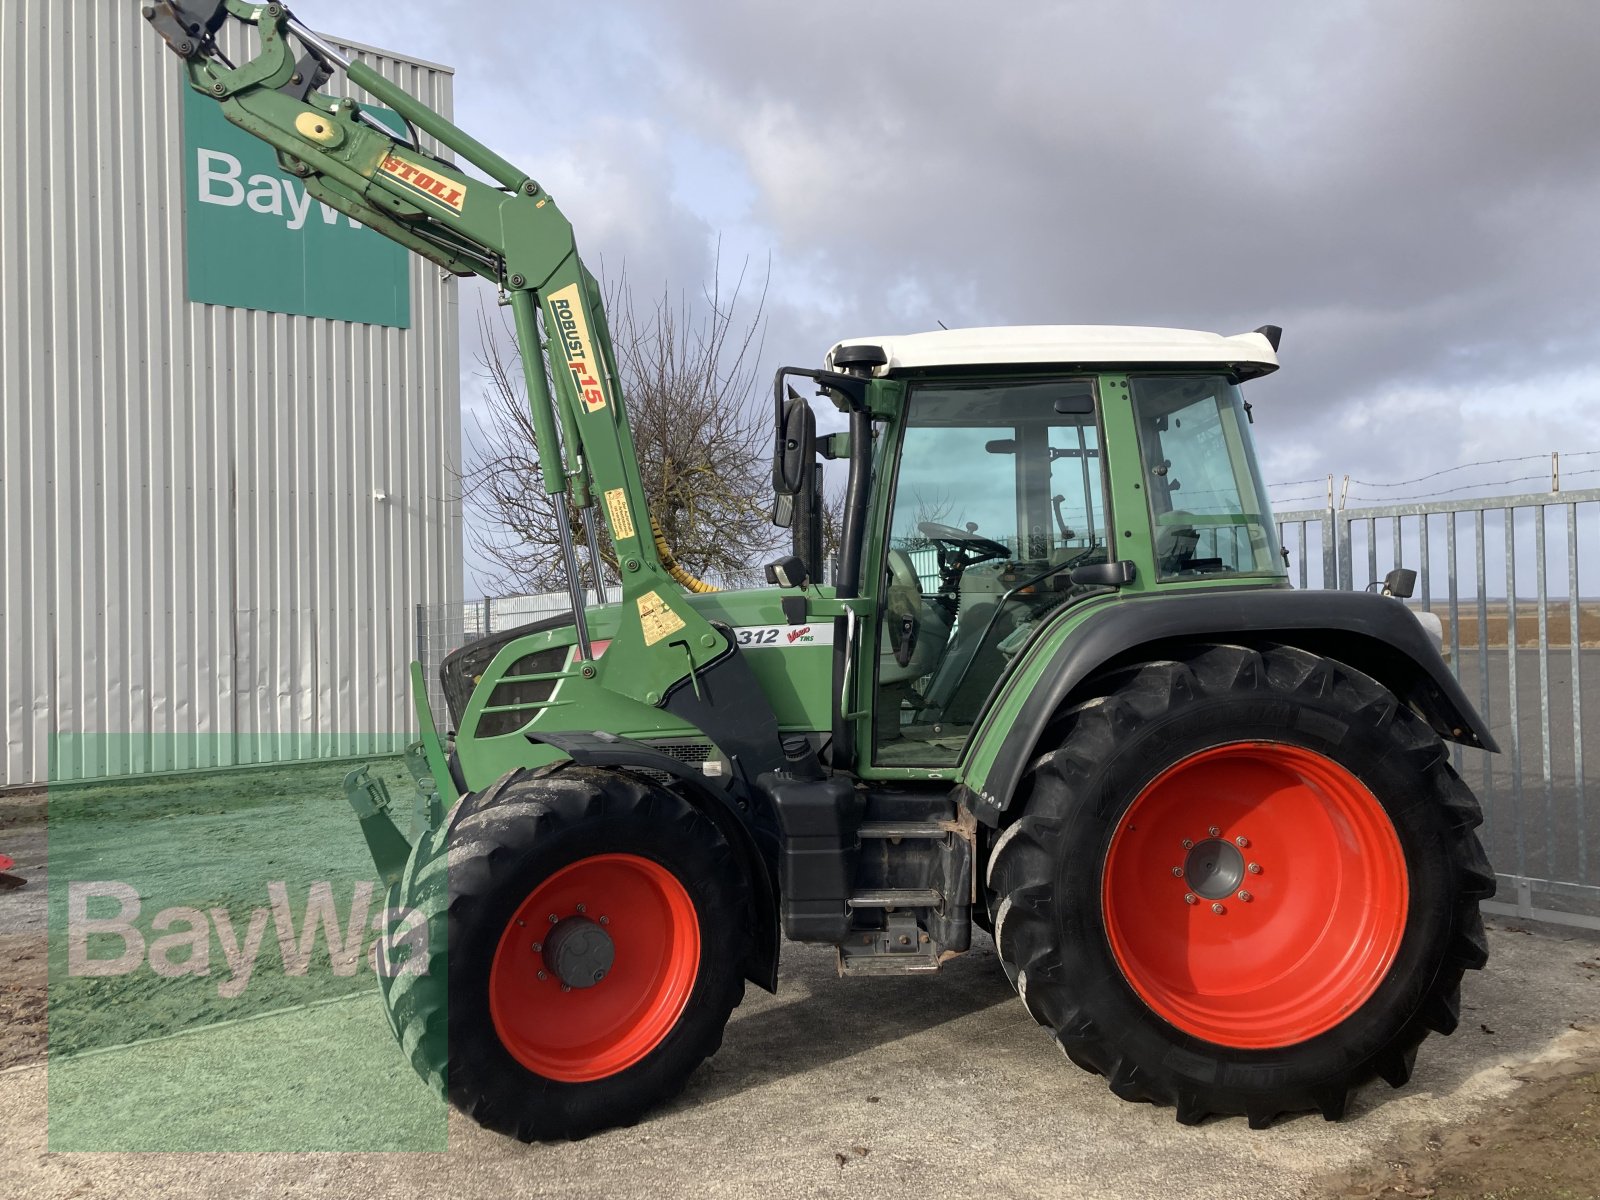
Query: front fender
{"points": [[1374, 634]]}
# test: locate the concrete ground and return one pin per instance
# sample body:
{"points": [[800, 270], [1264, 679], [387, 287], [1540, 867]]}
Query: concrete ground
{"points": [[936, 1087]]}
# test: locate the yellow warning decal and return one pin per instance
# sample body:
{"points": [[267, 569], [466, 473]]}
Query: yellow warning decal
{"points": [[621, 518], [573, 329], [657, 619]]}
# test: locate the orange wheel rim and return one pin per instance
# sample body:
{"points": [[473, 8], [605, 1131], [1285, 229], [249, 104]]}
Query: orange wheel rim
{"points": [[1255, 894], [620, 917]]}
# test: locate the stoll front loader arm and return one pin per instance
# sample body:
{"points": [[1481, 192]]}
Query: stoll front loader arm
{"points": [[664, 654]]}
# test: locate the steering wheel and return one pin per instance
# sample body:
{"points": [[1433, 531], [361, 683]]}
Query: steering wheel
{"points": [[981, 549]]}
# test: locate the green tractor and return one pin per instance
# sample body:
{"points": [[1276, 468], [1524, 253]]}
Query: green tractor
{"points": [[1058, 688]]}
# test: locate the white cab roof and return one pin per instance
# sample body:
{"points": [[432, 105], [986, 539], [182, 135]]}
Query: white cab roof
{"points": [[1078, 345]]}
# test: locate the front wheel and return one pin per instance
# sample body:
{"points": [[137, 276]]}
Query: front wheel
{"points": [[594, 934], [1244, 883]]}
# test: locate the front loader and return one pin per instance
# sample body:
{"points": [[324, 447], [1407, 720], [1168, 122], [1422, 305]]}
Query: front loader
{"points": [[1058, 688]]}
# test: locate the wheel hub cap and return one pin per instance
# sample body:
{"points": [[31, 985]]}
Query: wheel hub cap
{"points": [[1214, 869], [579, 952]]}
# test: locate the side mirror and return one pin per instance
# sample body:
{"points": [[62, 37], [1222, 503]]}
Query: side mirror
{"points": [[1106, 574], [796, 447]]}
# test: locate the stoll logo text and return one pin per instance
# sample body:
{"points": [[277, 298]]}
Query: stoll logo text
{"points": [[223, 183], [183, 946]]}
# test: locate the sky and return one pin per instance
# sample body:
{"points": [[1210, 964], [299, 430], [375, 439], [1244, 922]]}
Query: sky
{"points": [[1412, 191]]}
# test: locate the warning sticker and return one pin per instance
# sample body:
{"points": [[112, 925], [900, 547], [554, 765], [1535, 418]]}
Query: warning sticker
{"points": [[621, 518], [658, 620]]}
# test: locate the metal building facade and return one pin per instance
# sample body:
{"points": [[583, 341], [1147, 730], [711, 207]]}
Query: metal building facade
{"points": [[218, 522]]}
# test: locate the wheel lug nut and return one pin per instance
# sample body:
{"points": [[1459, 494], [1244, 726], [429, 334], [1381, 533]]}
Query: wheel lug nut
{"points": [[554, 918], [1214, 831], [1218, 909], [538, 946], [542, 975], [1187, 844], [1245, 897], [605, 920], [1241, 842], [583, 908], [1177, 872], [566, 987], [1254, 868], [1190, 898]]}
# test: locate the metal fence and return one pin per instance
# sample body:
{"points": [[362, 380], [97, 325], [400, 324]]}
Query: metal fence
{"points": [[1508, 576]]}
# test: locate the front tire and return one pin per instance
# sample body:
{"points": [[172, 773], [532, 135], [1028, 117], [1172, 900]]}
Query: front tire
{"points": [[556, 1028], [1245, 883]]}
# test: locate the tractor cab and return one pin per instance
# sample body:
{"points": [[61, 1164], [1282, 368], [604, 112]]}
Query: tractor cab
{"points": [[1016, 472]]}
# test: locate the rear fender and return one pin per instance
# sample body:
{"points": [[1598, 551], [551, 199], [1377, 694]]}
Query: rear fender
{"points": [[1376, 635]]}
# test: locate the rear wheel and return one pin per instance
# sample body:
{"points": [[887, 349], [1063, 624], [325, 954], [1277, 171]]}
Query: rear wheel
{"points": [[1245, 883], [594, 935]]}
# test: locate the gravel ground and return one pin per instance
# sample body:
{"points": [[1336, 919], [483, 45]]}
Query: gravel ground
{"points": [[889, 1087]]}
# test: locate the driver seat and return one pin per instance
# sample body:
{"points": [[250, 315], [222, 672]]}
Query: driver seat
{"points": [[975, 661]]}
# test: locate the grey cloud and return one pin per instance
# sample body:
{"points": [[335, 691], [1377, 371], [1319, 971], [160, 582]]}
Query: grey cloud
{"points": [[1412, 190]]}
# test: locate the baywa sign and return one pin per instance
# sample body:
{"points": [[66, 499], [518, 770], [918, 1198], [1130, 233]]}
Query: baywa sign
{"points": [[256, 239]]}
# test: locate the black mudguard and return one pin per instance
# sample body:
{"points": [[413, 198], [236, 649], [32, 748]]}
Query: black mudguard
{"points": [[1374, 634]]}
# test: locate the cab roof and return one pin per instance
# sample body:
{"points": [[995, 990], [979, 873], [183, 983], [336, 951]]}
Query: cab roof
{"points": [[1249, 354]]}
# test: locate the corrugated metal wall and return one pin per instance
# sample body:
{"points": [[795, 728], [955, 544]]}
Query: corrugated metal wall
{"points": [[191, 557]]}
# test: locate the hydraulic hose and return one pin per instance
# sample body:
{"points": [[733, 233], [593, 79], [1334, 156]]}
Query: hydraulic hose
{"points": [[674, 567]]}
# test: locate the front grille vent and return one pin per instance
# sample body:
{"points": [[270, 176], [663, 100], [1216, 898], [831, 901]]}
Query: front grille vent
{"points": [[524, 688]]}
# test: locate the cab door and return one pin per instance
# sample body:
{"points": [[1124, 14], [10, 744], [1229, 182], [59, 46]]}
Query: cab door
{"points": [[998, 491]]}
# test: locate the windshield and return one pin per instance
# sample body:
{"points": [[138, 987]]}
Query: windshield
{"points": [[1209, 510]]}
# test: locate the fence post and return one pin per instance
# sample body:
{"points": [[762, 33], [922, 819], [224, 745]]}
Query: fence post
{"points": [[1347, 571], [1330, 561]]}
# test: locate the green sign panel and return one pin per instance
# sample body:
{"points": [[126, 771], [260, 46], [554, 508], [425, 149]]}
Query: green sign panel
{"points": [[257, 239]]}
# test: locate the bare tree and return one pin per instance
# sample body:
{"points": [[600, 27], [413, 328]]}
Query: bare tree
{"points": [[832, 532], [700, 432], [935, 505]]}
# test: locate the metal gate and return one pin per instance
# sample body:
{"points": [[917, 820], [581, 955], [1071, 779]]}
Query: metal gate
{"points": [[1508, 576]]}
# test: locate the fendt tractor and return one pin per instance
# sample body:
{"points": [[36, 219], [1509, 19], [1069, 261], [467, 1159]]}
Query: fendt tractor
{"points": [[1057, 687]]}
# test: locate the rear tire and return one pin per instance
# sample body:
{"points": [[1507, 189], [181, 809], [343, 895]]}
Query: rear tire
{"points": [[514, 1049], [1359, 873]]}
